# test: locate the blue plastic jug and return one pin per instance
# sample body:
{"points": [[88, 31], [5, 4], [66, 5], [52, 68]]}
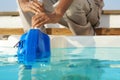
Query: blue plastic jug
{"points": [[34, 46]]}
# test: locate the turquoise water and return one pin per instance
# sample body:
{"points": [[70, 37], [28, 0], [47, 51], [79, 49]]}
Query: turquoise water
{"points": [[66, 64]]}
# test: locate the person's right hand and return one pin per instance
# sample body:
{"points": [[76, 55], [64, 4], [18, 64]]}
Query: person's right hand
{"points": [[34, 7]]}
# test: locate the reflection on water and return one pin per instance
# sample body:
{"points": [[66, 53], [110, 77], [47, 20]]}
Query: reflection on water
{"points": [[82, 69], [66, 64]]}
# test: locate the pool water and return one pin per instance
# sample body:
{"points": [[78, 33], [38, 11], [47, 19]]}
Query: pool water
{"points": [[88, 63]]}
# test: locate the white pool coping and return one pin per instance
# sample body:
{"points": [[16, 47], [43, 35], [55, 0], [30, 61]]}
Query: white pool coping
{"points": [[73, 41], [85, 41], [76, 42]]}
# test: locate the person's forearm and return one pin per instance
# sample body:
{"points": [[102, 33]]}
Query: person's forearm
{"points": [[63, 6], [22, 4]]}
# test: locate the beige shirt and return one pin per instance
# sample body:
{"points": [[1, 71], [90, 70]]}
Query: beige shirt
{"points": [[78, 22]]}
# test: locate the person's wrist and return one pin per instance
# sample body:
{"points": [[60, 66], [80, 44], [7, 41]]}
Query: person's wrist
{"points": [[55, 17], [58, 12]]}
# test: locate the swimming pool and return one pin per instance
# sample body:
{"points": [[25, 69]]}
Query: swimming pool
{"points": [[83, 63]]}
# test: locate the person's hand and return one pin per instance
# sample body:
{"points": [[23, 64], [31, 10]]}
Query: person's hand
{"points": [[34, 7], [40, 19]]}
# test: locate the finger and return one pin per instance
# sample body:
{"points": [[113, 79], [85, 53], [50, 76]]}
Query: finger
{"points": [[32, 7], [35, 22], [32, 10], [37, 6], [41, 23], [36, 17]]}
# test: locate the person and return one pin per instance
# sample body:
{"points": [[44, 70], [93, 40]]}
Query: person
{"points": [[80, 16]]}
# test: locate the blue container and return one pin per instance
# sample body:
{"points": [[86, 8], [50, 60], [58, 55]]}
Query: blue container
{"points": [[34, 46]]}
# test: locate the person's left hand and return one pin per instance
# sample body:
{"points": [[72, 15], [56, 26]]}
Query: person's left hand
{"points": [[33, 6], [40, 19]]}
